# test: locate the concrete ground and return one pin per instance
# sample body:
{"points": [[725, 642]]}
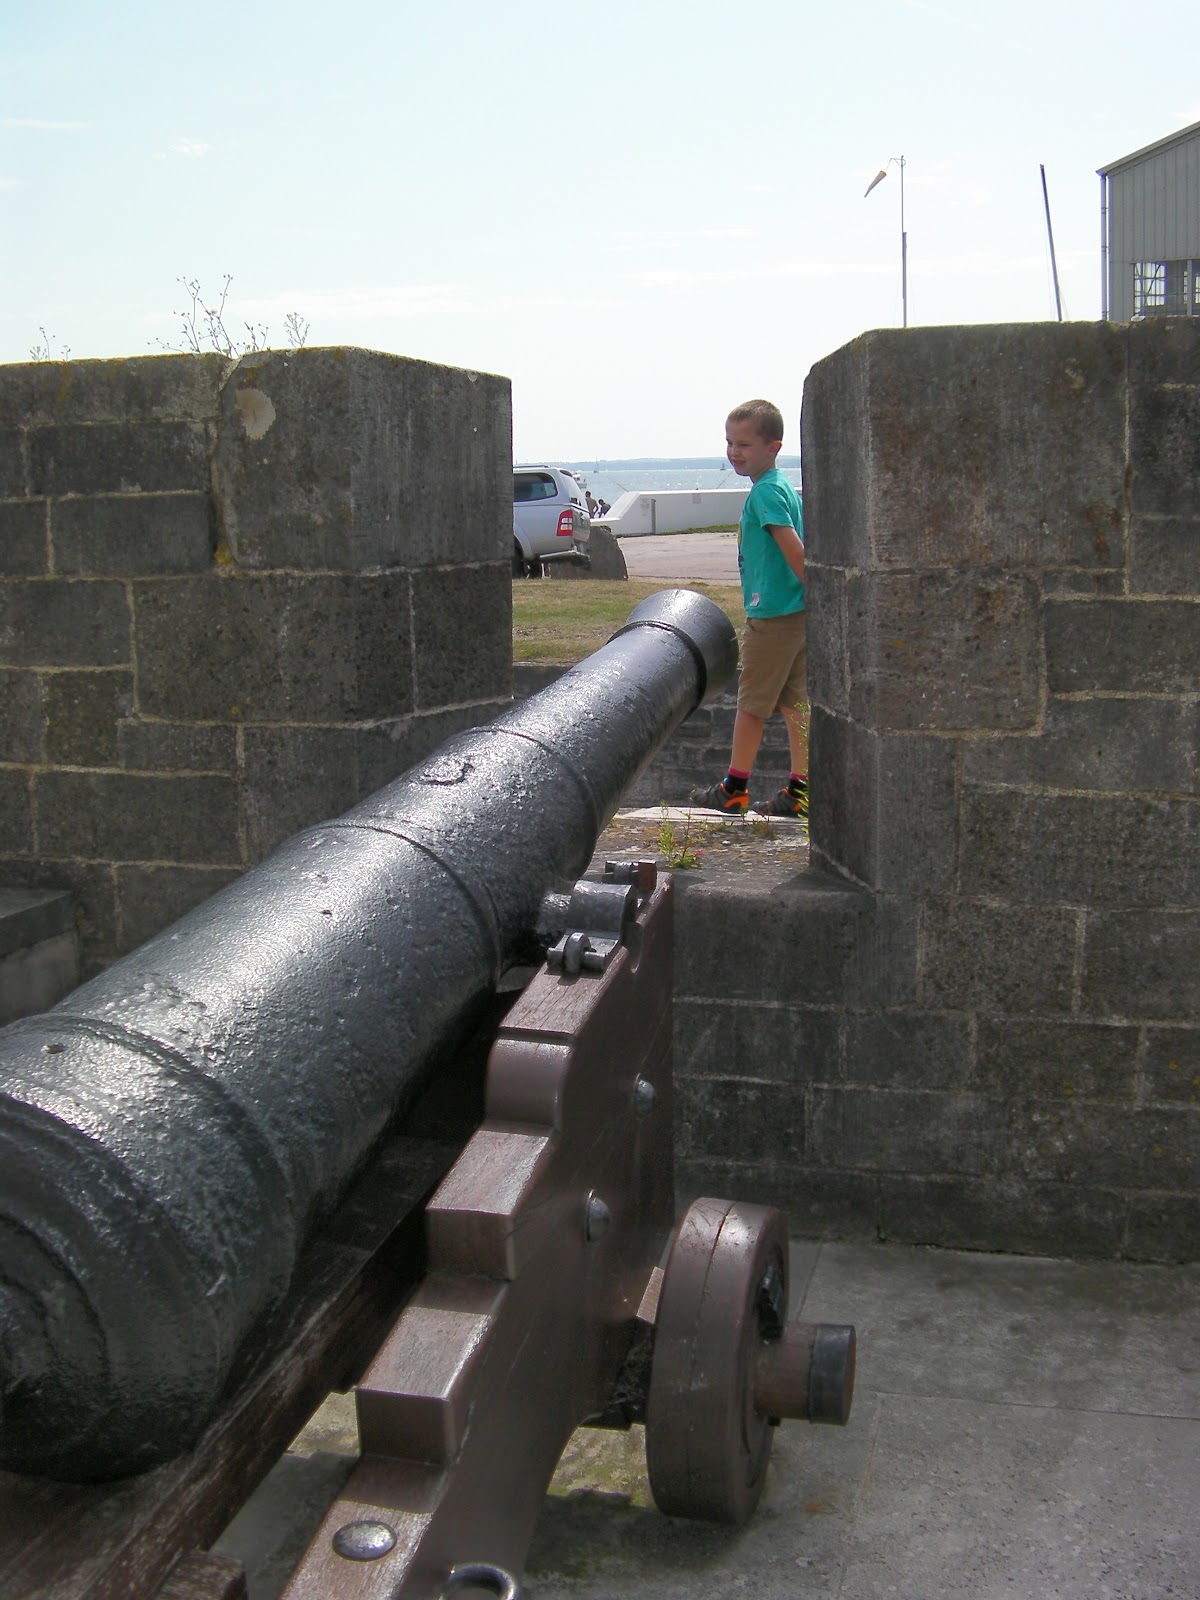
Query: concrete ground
{"points": [[1022, 1428], [685, 557]]}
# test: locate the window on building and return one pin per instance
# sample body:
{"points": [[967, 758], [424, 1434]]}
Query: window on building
{"points": [[1149, 288], [1166, 288]]}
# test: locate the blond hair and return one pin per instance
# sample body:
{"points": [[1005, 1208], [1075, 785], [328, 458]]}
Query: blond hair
{"points": [[767, 418]]}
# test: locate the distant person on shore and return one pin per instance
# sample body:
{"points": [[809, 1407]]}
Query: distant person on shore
{"points": [[593, 508], [774, 658], [603, 507]]}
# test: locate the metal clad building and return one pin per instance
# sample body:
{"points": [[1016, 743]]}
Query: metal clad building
{"points": [[1150, 227]]}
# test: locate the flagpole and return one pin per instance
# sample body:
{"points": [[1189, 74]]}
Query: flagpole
{"points": [[903, 249], [897, 161]]}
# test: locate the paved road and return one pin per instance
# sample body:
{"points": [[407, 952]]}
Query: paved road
{"points": [[699, 557]]}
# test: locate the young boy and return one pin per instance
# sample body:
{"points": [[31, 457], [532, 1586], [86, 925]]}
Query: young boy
{"points": [[774, 662]]}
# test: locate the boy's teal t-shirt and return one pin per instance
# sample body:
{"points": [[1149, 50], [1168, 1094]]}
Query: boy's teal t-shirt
{"points": [[769, 586]]}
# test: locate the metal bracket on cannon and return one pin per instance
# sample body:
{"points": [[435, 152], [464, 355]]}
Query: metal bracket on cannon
{"points": [[545, 1306]]}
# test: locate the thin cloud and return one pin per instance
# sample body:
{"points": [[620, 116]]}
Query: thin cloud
{"points": [[391, 300], [937, 11], [192, 148], [41, 125], [401, 301], [694, 277], [626, 241]]}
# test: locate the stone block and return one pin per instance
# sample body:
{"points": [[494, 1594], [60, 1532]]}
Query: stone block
{"points": [[820, 1203], [462, 635], [119, 458], [82, 711], [30, 916], [909, 1050], [352, 460], [975, 448], [16, 817], [714, 1038], [828, 665], [1118, 1146], [133, 535], [1073, 581], [22, 718], [91, 888], [1010, 1214], [605, 560], [1113, 744], [1163, 1227], [164, 388], [895, 1130], [295, 777], [809, 941], [1080, 850], [39, 951], [150, 899], [24, 549], [914, 825], [1122, 646], [14, 483], [1164, 449], [36, 978], [988, 956], [884, 807], [1142, 965], [936, 651], [1170, 1072], [94, 816], [841, 773], [1163, 350], [724, 1118], [1019, 1059], [50, 622], [176, 746], [835, 423], [1163, 554], [328, 648]]}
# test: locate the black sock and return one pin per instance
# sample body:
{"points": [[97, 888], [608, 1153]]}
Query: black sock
{"points": [[735, 785], [798, 783]]}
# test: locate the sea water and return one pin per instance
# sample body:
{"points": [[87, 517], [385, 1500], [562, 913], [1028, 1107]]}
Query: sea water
{"points": [[609, 480]]}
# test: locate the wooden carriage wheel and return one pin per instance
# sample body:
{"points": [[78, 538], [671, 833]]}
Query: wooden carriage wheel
{"points": [[723, 1295]]}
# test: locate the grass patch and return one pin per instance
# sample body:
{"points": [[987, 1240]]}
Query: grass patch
{"points": [[563, 622]]}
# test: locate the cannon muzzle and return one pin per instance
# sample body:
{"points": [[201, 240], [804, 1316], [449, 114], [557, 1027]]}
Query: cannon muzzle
{"points": [[172, 1131]]}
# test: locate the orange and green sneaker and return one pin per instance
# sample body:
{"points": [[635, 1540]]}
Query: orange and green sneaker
{"points": [[718, 798], [788, 802]]}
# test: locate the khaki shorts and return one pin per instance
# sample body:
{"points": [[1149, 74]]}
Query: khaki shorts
{"points": [[774, 673]]}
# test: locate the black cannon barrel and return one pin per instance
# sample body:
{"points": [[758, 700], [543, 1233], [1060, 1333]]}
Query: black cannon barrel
{"points": [[171, 1131]]}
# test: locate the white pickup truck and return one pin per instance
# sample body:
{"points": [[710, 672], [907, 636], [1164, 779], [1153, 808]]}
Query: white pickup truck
{"points": [[550, 519]]}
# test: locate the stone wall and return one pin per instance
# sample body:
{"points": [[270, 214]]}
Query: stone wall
{"points": [[234, 599], [975, 1021]]}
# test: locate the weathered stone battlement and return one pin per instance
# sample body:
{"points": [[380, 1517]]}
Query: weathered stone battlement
{"points": [[974, 1021], [234, 599]]}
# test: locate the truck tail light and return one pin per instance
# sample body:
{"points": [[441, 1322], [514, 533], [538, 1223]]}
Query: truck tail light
{"points": [[566, 525]]}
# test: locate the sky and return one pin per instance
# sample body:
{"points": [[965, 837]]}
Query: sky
{"points": [[639, 211]]}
